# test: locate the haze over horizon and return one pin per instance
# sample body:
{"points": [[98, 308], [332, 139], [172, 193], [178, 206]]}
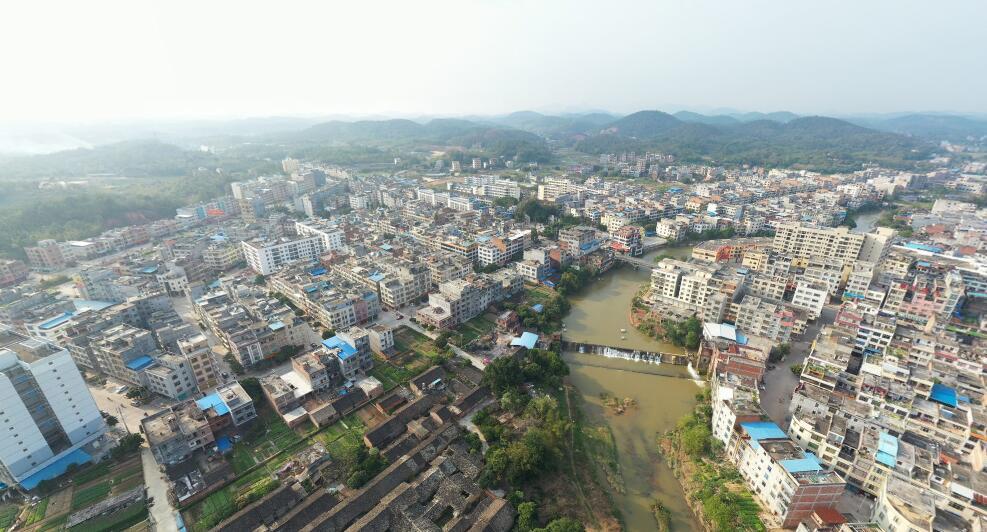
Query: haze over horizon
{"points": [[182, 60]]}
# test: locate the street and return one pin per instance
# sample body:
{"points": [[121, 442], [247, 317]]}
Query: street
{"points": [[779, 383], [117, 404]]}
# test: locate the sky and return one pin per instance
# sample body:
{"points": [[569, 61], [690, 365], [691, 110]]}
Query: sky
{"points": [[70, 61]]}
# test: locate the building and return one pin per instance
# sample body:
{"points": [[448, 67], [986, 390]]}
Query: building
{"points": [[332, 237], [46, 256], [175, 433], [198, 354], [172, 377], [48, 412], [236, 401], [805, 241], [789, 482], [267, 256], [462, 300], [12, 272]]}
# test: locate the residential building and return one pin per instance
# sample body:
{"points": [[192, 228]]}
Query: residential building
{"points": [[48, 412], [267, 256]]}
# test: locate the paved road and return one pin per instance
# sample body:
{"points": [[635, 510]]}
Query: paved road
{"points": [[780, 382], [162, 512]]}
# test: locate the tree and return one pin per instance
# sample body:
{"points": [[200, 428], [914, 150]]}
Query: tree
{"points": [[442, 340], [259, 280], [527, 516], [127, 445], [234, 364], [253, 388], [796, 369], [328, 333], [696, 440], [111, 420]]}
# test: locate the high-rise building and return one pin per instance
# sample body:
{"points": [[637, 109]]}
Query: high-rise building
{"points": [[267, 256], [46, 408]]}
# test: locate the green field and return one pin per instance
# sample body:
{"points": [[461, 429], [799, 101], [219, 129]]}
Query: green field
{"points": [[263, 444], [90, 473], [91, 495], [37, 513], [7, 516], [474, 328], [119, 520]]}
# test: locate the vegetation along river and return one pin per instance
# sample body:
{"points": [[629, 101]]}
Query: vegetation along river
{"points": [[662, 394]]}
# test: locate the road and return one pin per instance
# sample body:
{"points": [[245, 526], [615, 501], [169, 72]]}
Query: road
{"points": [[162, 512], [780, 382]]}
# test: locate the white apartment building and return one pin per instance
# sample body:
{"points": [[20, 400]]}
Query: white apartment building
{"points": [[332, 237], [267, 256], [46, 408], [804, 241], [810, 297]]}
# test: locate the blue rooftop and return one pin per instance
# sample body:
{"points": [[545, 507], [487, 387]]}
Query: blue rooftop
{"points": [[801, 465], [56, 468], [346, 350], [276, 326], [887, 449], [923, 247], [318, 271], [763, 430], [538, 307], [149, 269], [140, 363], [377, 277], [527, 340], [224, 444], [943, 394], [214, 402], [56, 321]]}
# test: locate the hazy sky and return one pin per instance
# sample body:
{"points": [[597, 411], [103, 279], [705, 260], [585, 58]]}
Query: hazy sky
{"points": [[90, 60]]}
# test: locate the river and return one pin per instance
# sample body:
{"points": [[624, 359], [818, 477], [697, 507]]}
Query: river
{"points": [[663, 394], [865, 221]]}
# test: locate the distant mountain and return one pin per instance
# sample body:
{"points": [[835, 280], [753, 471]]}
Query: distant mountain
{"points": [[935, 127], [147, 158], [554, 127], [778, 116], [643, 124], [716, 120], [445, 132], [813, 142]]}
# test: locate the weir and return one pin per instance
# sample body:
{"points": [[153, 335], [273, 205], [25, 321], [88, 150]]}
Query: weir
{"points": [[634, 355]]}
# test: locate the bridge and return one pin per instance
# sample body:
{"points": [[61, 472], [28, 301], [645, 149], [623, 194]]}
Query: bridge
{"points": [[635, 261]]}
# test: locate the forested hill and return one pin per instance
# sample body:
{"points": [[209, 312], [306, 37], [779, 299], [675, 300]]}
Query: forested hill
{"points": [[810, 142]]}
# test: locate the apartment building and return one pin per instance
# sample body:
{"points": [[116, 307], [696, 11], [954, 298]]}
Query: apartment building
{"points": [[693, 289], [198, 355], [791, 483], [122, 351], [175, 433], [500, 250], [12, 272], [267, 256], [332, 236], [580, 240], [172, 377], [805, 241], [760, 317], [810, 297], [46, 256], [48, 412], [461, 300]]}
